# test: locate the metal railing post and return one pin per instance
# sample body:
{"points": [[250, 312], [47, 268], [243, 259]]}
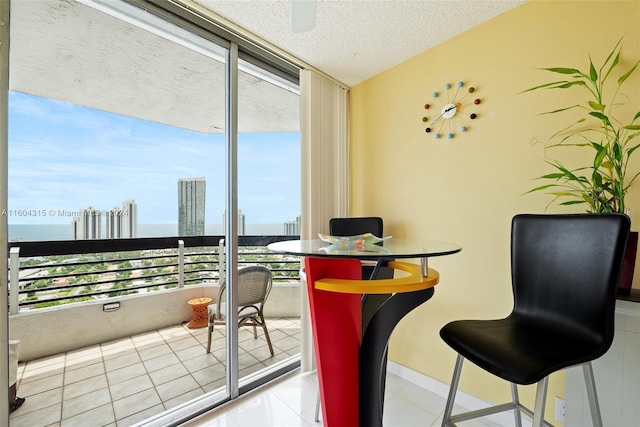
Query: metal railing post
{"points": [[180, 263], [221, 261], [14, 280]]}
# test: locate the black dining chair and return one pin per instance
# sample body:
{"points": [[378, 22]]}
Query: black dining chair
{"points": [[564, 273], [354, 226]]}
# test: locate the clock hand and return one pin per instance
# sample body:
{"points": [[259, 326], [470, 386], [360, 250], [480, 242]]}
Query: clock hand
{"points": [[443, 113]]}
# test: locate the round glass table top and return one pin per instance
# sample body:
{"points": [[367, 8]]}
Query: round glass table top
{"points": [[391, 248]]}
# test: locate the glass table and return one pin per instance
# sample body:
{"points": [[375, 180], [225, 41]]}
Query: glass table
{"points": [[352, 319]]}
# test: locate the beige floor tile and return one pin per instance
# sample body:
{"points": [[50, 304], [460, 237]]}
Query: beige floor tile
{"points": [[146, 337], [252, 344], [246, 360], [174, 333], [140, 416], [184, 397], [40, 417], [136, 403], [186, 342], [33, 374], [122, 361], [115, 352], [155, 351], [127, 373], [41, 385], [46, 361], [263, 354], [176, 387], [168, 373], [117, 348], [210, 374], [287, 343], [143, 345], [85, 386], [251, 370], [91, 352], [161, 362], [130, 386], [83, 373], [85, 402], [100, 416], [83, 361], [202, 361], [215, 385], [38, 401], [191, 352], [275, 334], [280, 323]]}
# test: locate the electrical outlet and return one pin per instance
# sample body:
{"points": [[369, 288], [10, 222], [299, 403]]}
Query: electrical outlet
{"points": [[559, 409]]}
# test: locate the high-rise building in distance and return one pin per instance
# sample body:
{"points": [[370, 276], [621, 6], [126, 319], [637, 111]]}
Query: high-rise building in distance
{"points": [[292, 228], [88, 225], [122, 222], [130, 219], [191, 206]]}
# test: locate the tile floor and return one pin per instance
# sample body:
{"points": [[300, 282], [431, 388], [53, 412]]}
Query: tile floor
{"points": [[125, 381], [290, 402]]}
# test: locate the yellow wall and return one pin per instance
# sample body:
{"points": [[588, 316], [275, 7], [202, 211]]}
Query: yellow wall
{"points": [[467, 189]]}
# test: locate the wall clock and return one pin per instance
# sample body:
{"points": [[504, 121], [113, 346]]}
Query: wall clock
{"points": [[451, 115]]}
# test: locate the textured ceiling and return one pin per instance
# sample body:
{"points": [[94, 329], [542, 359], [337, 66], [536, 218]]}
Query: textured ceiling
{"points": [[64, 50], [357, 39]]}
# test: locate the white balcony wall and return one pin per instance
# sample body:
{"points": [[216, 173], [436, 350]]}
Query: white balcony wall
{"points": [[54, 330]]}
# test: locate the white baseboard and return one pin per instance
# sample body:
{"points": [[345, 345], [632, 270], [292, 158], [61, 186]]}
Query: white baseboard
{"points": [[463, 399]]}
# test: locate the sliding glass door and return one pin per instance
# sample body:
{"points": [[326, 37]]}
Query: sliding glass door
{"points": [[268, 195], [131, 127]]}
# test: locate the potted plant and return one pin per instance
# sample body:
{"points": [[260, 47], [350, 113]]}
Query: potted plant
{"points": [[602, 185]]}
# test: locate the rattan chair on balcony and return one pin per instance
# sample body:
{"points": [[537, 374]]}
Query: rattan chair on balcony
{"points": [[254, 285]]}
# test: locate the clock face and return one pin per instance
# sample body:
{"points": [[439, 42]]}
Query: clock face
{"points": [[452, 115]]}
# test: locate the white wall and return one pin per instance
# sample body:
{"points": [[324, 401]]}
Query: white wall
{"points": [[54, 330]]}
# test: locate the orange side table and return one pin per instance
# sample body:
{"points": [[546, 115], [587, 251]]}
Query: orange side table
{"points": [[200, 316]]}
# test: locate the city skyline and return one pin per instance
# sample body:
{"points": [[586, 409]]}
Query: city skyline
{"points": [[77, 157], [119, 222]]}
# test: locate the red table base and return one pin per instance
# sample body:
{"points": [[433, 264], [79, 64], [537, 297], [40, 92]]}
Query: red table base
{"points": [[337, 331], [351, 357]]}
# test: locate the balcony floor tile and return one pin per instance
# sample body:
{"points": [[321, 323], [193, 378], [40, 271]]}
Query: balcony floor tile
{"points": [[124, 381]]}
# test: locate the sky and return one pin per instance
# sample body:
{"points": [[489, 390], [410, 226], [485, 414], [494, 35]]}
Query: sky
{"points": [[64, 157]]}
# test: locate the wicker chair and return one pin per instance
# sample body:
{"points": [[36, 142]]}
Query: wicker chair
{"points": [[254, 285]]}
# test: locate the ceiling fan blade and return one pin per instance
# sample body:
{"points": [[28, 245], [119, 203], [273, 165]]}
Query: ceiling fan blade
{"points": [[303, 15]]}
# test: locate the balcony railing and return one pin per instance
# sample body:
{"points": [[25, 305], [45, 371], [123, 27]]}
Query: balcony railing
{"points": [[44, 274]]}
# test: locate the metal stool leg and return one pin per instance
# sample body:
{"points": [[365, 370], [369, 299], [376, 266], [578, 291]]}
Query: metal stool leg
{"points": [[516, 404], [541, 395], [596, 416], [452, 391]]}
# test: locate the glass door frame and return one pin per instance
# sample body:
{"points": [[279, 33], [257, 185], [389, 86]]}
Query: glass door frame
{"points": [[167, 11]]}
